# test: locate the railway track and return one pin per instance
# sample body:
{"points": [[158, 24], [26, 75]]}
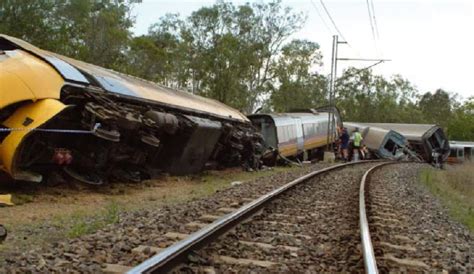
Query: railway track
{"points": [[270, 233], [311, 224]]}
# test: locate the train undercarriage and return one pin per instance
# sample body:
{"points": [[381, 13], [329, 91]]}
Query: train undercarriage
{"points": [[101, 137]]}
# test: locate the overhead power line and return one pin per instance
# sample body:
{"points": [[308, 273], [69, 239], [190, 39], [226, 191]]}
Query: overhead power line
{"points": [[337, 29], [321, 16], [332, 21], [375, 20], [371, 23]]}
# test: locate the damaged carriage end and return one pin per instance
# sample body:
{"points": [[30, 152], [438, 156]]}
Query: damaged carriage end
{"points": [[383, 143], [146, 129], [31, 116], [425, 142]]}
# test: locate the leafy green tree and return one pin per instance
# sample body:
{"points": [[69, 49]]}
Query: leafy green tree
{"points": [[223, 51], [94, 31], [437, 107], [364, 97], [297, 85], [26, 20], [461, 126]]}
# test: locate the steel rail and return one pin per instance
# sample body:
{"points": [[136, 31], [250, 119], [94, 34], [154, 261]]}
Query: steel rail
{"points": [[170, 257], [367, 247]]}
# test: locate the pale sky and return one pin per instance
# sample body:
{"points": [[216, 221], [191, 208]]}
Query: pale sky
{"points": [[430, 42]]}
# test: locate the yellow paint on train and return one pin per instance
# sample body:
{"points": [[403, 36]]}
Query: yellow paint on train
{"points": [[24, 77], [288, 150], [38, 113], [292, 149], [315, 142]]}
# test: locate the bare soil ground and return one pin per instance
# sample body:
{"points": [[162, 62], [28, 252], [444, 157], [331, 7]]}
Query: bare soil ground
{"points": [[44, 214]]}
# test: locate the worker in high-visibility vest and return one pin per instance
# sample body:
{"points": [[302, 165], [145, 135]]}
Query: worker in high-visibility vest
{"points": [[356, 144]]}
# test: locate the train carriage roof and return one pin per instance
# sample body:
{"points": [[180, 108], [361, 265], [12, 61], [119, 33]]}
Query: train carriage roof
{"points": [[461, 144], [129, 86], [410, 131], [282, 119]]}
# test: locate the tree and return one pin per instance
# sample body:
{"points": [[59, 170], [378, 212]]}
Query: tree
{"points": [[461, 126], [297, 85], [225, 52], [437, 107], [364, 97], [94, 31], [28, 20]]}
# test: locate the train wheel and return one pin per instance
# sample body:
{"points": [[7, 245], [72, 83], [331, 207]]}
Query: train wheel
{"points": [[86, 177]]}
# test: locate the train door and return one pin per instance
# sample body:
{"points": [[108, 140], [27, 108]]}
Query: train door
{"points": [[299, 135], [468, 153], [461, 154]]}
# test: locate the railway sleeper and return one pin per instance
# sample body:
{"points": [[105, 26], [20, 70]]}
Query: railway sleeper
{"points": [[268, 246], [243, 262], [405, 262], [398, 247]]}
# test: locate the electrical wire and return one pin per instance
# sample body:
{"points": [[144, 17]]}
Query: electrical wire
{"points": [[332, 20], [321, 16], [371, 23], [375, 20], [337, 29]]}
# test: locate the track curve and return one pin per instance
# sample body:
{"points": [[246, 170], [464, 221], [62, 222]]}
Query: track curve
{"points": [[172, 256]]}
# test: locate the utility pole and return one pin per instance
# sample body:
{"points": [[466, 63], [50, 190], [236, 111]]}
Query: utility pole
{"points": [[332, 85]]}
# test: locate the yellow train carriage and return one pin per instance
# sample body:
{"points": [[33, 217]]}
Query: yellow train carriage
{"points": [[91, 123]]}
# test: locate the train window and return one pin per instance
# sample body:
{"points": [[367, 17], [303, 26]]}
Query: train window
{"points": [[283, 134], [391, 146], [286, 134], [268, 131], [310, 129], [292, 131], [453, 152], [460, 153], [468, 152]]}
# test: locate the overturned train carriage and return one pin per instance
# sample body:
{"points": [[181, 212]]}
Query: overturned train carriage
{"points": [[429, 142], [57, 113], [300, 134], [384, 143]]}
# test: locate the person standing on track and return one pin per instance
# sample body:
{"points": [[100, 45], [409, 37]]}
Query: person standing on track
{"points": [[357, 142], [344, 144]]}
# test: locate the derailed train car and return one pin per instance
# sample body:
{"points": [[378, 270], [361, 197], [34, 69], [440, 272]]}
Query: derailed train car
{"points": [[429, 142], [461, 151], [384, 143], [91, 123], [300, 134]]}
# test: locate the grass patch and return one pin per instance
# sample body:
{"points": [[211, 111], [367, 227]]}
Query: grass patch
{"points": [[83, 224], [455, 188]]}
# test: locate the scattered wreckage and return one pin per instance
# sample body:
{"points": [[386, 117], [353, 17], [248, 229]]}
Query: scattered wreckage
{"points": [[64, 117]]}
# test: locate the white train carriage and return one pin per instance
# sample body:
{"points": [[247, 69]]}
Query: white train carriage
{"points": [[461, 151], [296, 134], [384, 143], [428, 141]]}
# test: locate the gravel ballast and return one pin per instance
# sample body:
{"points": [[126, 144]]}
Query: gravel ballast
{"points": [[114, 243], [408, 223], [312, 228]]}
